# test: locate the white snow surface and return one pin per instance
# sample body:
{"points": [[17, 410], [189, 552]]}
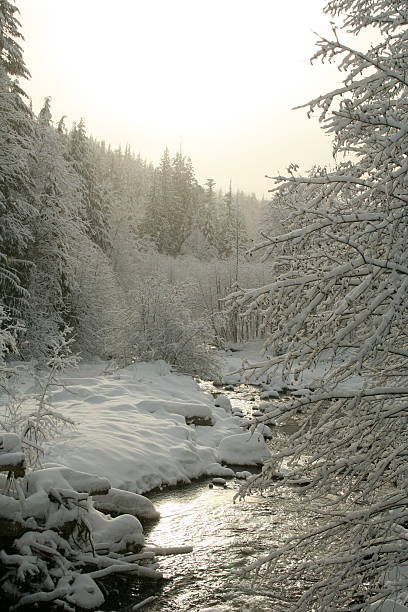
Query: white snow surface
{"points": [[247, 448], [125, 502], [251, 353], [82, 591], [10, 450], [131, 427], [10, 443]]}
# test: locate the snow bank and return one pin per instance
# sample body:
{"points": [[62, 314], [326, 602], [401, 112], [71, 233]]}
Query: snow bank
{"points": [[65, 478], [132, 430]]}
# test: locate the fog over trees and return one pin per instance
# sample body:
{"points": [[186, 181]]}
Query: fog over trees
{"points": [[88, 232], [106, 256]]}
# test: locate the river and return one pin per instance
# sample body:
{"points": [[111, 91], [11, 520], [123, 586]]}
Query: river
{"points": [[226, 536]]}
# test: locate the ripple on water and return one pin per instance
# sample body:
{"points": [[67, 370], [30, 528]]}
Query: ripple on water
{"points": [[226, 536]]}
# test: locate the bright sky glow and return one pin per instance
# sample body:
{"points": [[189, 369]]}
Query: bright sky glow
{"points": [[217, 77]]}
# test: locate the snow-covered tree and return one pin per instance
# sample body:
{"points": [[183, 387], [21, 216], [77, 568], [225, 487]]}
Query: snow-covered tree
{"points": [[172, 205], [55, 228], [104, 319], [339, 298], [16, 150], [166, 329], [208, 213], [96, 206], [11, 55]]}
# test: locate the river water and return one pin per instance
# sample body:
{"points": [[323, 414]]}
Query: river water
{"points": [[226, 536]]}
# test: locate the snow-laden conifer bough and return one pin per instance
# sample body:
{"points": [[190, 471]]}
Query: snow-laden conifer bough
{"points": [[340, 294]]}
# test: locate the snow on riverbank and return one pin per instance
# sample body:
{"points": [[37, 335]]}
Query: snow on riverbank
{"points": [[309, 378], [131, 422], [145, 426], [131, 426]]}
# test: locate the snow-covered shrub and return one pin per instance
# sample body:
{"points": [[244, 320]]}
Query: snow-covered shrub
{"points": [[206, 283], [32, 416], [7, 340], [167, 330], [100, 309]]}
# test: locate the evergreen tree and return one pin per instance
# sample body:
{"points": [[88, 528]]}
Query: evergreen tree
{"points": [[154, 223], [185, 205], [208, 213], [232, 234], [55, 228], [96, 209], [11, 55], [16, 150], [172, 204]]}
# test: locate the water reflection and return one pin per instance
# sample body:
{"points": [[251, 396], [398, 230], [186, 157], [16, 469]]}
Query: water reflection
{"points": [[226, 537]]}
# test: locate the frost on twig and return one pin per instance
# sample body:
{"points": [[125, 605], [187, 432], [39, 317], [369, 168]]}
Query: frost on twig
{"points": [[337, 306]]}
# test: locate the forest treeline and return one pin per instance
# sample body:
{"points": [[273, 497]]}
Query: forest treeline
{"points": [[99, 245]]}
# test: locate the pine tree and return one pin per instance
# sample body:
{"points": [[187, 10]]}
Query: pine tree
{"points": [[185, 205], [172, 204]]}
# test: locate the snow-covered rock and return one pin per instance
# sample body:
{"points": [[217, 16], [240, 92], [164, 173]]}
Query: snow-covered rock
{"points": [[222, 401], [9, 443], [243, 449], [264, 430], [301, 392], [117, 501], [243, 475], [64, 478], [10, 509], [216, 469], [82, 591], [11, 453], [237, 412], [269, 394], [119, 534], [220, 482]]}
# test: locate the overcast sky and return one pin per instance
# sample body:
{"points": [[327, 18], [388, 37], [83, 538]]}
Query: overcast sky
{"points": [[218, 77]]}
